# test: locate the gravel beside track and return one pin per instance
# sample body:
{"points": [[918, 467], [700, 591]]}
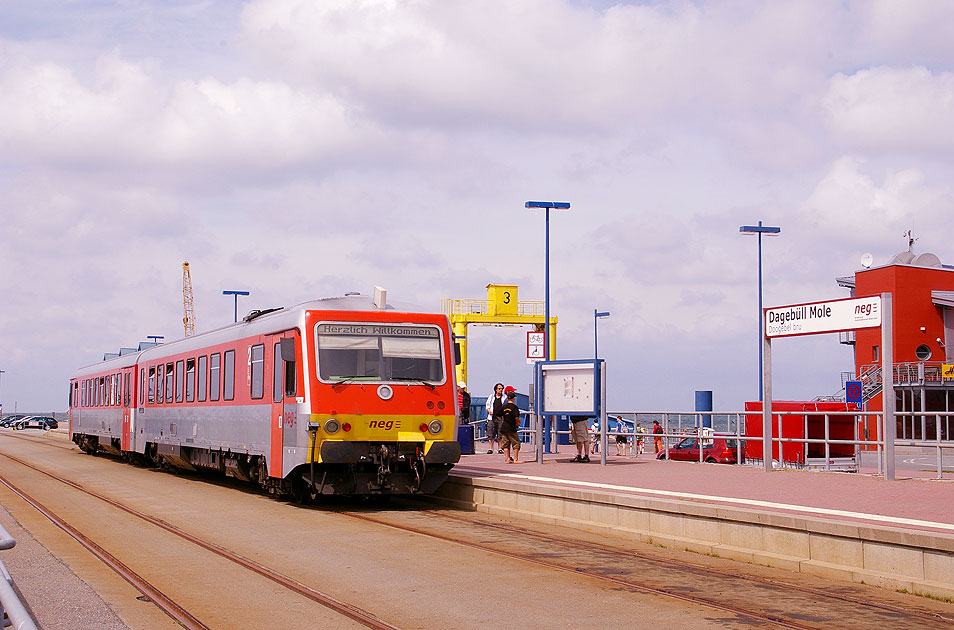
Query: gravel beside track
{"points": [[58, 599]]}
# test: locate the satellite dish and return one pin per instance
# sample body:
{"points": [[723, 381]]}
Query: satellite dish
{"points": [[866, 260]]}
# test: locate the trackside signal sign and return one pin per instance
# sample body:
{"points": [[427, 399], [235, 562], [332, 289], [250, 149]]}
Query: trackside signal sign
{"points": [[823, 317]]}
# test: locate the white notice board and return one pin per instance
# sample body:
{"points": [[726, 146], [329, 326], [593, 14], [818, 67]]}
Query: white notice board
{"points": [[570, 388]]}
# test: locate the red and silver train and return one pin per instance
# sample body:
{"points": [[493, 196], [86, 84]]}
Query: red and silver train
{"points": [[334, 396]]}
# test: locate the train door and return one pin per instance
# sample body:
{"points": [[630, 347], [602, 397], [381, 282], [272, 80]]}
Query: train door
{"points": [[126, 398], [284, 424]]}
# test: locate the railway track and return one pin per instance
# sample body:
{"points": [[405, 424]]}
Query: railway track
{"points": [[166, 603], [746, 598], [789, 605]]}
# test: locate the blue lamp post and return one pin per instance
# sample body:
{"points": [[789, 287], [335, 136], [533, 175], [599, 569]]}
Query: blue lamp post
{"points": [[547, 205], [235, 295], [768, 231], [597, 316]]}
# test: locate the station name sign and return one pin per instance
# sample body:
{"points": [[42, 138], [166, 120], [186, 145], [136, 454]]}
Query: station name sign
{"points": [[823, 317]]}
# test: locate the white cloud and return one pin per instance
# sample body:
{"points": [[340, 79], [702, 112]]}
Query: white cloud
{"points": [[893, 109], [124, 116]]}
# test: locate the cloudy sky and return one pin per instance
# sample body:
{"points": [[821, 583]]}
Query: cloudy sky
{"points": [[301, 149]]}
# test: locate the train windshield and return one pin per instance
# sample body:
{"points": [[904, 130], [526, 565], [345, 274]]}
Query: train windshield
{"points": [[379, 352]]}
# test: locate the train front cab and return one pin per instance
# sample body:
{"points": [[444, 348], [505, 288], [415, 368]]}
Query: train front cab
{"points": [[382, 415]]}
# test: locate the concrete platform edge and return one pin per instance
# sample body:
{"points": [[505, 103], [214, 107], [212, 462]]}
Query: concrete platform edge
{"points": [[892, 558]]}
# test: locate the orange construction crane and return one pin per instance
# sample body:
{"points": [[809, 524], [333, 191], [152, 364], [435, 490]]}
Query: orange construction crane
{"points": [[188, 320]]}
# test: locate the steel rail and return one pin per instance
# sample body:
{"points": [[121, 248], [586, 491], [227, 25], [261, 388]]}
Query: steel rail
{"points": [[704, 569], [353, 612], [749, 614], [165, 603]]}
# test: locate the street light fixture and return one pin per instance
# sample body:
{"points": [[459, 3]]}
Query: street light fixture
{"points": [[235, 295], [547, 205], [768, 231], [597, 316]]}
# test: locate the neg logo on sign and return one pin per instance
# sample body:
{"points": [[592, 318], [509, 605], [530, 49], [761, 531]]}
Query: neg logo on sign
{"points": [[823, 317]]}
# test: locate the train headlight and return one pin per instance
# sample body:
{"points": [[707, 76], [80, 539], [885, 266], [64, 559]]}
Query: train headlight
{"points": [[436, 426], [331, 426], [346, 427]]}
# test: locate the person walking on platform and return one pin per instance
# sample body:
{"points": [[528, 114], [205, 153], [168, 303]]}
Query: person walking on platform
{"points": [[640, 439], [581, 436], [621, 438], [494, 407], [657, 441], [509, 424], [463, 402]]}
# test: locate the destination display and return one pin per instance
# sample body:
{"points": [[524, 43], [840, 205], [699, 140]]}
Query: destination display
{"points": [[823, 317]]}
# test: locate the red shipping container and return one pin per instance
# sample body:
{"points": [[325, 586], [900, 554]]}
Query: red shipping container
{"points": [[801, 426]]}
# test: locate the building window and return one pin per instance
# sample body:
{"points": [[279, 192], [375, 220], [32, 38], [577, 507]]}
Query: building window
{"points": [[923, 352], [203, 376], [229, 376], [214, 376]]}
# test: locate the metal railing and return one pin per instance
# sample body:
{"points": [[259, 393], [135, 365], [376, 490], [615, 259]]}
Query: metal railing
{"points": [[477, 306], [12, 610], [819, 449]]}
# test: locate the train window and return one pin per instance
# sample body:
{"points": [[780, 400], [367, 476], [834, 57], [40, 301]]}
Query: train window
{"points": [[382, 353], [160, 382], [229, 376], [152, 384], [180, 376], [126, 390], [214, 388], [257, 365], [277, 372], [190, 380], [203, 376], [142, 385], [83, 394], [114, 398], [170, 382], [289, 378]]}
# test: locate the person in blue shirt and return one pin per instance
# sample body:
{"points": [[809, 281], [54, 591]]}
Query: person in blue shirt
{"points": [[621, 439]]}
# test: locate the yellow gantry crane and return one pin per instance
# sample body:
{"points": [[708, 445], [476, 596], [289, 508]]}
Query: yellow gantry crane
{"points": [[500, 308], [188, 319]]}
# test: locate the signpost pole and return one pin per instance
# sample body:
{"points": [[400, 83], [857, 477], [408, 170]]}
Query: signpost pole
{"points": [[537, 406], [767, 404], [602, 367], [887, 389]]}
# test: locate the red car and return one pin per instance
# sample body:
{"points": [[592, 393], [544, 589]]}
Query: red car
{"points": [[722, 450]]}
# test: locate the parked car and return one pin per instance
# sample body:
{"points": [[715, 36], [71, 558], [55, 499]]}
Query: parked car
{"points": [[35, 422], [722, 450], [9, 420]]}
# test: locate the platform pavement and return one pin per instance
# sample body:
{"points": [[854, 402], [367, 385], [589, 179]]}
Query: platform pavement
{"points": [[909, 503], [846, 526]]}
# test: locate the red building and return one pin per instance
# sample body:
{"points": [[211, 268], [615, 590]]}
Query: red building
{"points": [[922, 314]]}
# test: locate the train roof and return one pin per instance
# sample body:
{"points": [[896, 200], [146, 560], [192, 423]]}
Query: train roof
{"points": [[254, 323]]}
